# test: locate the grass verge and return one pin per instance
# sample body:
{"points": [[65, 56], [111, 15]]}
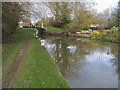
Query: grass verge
{"points": [[10, 51], [37, 69], [53, 29], [108, 37]]}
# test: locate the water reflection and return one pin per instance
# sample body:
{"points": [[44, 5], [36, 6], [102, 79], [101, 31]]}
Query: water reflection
{"points": [[85, 63]]}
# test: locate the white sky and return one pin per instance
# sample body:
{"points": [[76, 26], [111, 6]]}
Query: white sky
{"points": [[104, 4]]}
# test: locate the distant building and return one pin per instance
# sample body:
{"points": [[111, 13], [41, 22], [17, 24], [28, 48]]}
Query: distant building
{"points": [[20, 26], [25, 23], [94, 26]]}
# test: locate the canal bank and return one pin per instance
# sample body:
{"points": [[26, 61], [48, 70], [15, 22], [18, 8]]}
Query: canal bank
{"points": [[102, 37], [36, 69], [106, 35]]}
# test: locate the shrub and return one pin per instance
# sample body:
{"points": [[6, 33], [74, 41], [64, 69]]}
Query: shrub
{"points": [[72, 27], [114, 29], [118, 28], [94, 33], [86, 28], [103, 36], [64, 21]]}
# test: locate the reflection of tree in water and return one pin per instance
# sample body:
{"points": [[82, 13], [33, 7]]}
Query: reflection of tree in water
{"points": [[68, 61], [110, 49], [114, 51], [61, 55], [56, 53]]}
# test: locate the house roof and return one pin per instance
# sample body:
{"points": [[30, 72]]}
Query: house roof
{"points": [[94, 25]]}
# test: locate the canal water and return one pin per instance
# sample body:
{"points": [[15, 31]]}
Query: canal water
{"points": [[84, 63]]}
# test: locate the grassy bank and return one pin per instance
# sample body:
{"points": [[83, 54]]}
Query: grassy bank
{"points": [[53, 29], [111, 37], [108, 37], [105, 37], [37, 69], [11, 48]]}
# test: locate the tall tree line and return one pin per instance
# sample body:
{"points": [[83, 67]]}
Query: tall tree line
{"points": [[73, 13], [79, 15], [61, 12], [12, 13], [118, 14], [115, 17]]}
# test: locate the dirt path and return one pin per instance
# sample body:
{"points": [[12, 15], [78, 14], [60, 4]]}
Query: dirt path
{"points": [[15, 65]]}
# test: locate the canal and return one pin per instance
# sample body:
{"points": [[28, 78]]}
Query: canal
{"points": [[84, 63]]}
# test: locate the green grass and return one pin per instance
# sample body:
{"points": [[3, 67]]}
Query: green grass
{"points": [[37, 69], [53, 29], [10, 51]]}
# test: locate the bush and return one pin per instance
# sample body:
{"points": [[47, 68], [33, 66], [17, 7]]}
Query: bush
{"points": [[94, 33], [118, 28], [64, 21], [114, 29], [86, 28], [103, 36]]}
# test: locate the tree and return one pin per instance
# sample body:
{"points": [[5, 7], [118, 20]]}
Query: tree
{"points": [[12, 13], [81, 16], [61, 12], [118, 14], [102, 20], [115, 17]]}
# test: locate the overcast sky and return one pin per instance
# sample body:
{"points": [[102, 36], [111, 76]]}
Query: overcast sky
{"points": [[104, 4]]}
